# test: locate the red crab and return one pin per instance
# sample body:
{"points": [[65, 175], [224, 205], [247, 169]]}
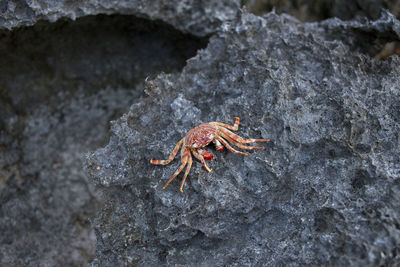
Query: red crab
{"points": [[201, 136]]}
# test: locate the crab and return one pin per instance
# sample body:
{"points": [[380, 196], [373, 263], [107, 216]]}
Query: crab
{"points": [[201, 136]]}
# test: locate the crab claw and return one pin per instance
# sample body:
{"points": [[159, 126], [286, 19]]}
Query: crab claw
{"points": [[206, 155]]}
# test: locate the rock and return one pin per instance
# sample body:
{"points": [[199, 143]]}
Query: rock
{"points": [[93, 52], [316, 10], [198, 18], [325, 191], [60, 85]]}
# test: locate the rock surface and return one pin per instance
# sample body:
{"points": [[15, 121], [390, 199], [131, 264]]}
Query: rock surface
{"points": [[196, 17], [326, 189], [46, 198], [60, 85], [316, 10]]}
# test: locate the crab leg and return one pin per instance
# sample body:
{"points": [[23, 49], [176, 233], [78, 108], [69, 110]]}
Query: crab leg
{"points": [[201, 158], [226, 144], [171, 157], [184, 161], [236, 143], [218, 145], [234, 127], [189, 165], [228, 134]]}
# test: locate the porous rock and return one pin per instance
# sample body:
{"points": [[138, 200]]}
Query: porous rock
{"points": [[326, 189], [60, 85], [316, 10], [196, 17]]}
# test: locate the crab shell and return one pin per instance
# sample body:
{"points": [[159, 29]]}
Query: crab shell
{"points": [[200, 136]]}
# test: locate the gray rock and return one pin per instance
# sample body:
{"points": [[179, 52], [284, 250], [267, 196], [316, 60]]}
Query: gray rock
{"points": [[92, 52], [315, 10], [46, 198], [60, 85], [198, 18], [326, 189]]}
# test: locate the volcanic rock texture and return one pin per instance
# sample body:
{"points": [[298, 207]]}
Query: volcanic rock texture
{"points": [[191, 16], [60, 85], [325, 191]]}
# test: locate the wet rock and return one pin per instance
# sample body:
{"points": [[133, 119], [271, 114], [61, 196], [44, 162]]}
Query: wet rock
{"points": [[325, 190]]}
